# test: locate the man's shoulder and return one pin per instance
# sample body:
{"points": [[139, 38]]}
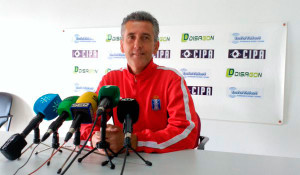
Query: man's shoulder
{"points": [[169, 71], [113, 75], [116, 71]]}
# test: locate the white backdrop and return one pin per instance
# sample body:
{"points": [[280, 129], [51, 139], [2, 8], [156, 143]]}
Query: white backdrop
{"points": [[255, 53]]}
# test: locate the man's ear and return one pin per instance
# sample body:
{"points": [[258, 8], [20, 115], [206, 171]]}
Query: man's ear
{"points": [[121, 46], [156, 46]]}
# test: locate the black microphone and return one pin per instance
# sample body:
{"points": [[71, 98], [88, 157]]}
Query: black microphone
{"points": [[46, 108], [128, 114]]}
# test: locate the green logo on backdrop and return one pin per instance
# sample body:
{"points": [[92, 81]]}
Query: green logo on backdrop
{"points": [[110, 37], [230, 73], [90, 71], [164, 38], [107, 70], [186, 37]]}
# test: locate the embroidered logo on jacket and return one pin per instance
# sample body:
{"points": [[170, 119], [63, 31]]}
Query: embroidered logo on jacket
{"points": [[156, 103]]}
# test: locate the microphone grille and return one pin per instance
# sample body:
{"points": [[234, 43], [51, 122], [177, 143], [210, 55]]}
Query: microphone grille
{"points": [[128, 106], [65, 106], [47, 105], [111, 92]]}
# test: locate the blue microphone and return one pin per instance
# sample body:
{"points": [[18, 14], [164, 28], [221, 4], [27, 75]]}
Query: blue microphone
{"points": [[45, 108]]}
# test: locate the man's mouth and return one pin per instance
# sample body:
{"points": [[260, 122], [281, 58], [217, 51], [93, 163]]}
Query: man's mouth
{"points": [[138, 54]]}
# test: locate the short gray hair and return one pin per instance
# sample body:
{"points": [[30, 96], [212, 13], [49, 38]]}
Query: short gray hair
{"points": [[141, 16]]}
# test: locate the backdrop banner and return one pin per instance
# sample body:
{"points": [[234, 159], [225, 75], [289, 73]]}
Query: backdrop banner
{"points": [[234, 72]]}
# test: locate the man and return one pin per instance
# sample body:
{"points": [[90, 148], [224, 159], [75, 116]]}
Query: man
{"points": [[167, 118]]}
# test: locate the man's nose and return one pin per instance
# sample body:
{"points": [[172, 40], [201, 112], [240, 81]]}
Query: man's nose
{"points": [[138, 43]]}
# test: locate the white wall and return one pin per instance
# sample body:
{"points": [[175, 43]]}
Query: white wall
{"points": [[32, 61]]}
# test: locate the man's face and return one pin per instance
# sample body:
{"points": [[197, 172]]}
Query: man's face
{"points": [[138, 44]]}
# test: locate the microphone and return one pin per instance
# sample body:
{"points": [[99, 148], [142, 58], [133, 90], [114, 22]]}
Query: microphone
{"points": [[128, 114], [64, 113], [82, 112], [108, 97], [46, 108]]}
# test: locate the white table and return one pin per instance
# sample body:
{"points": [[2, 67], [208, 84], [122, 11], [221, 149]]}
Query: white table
{"points": [[187, 162]]}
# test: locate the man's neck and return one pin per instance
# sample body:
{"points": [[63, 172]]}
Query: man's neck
{"points": [[137, 70]]}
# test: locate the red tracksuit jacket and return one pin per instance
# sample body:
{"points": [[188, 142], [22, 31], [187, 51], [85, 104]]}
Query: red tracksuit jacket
{"points": [[167, 118]]}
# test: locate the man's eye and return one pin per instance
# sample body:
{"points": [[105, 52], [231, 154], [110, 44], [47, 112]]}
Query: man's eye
{"points": [[146, 38], [130, 37]]}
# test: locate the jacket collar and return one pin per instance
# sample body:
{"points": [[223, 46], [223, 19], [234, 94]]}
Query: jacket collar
{"points": [[148, 71]]}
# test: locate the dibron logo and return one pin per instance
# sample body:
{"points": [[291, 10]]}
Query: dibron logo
{"points": [[187, 37], [247, 53], [232, 73], [200, 90], [110, 37], [107, 70], [163, 54], [197, 53], [83, 71], [85, 53], [78, 39], [164, 38], [234, 92]]}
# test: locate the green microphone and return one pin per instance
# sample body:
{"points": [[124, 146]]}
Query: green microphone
{"points": [[64, 113], [108, 97]]}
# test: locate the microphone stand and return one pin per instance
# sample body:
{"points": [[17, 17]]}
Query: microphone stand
{"points": [[127, 143], [103, 144], [55, 145], [76, 143], [36, 140]]}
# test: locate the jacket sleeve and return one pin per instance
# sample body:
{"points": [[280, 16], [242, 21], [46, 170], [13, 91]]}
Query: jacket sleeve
{"points": [[85, 130], [183, 128]]}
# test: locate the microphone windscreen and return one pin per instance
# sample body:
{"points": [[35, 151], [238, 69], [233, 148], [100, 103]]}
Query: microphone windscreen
{"points": [[47, 105], [111, 92], [89, 97], [65, 105], [128, 106], [13, 146]]}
